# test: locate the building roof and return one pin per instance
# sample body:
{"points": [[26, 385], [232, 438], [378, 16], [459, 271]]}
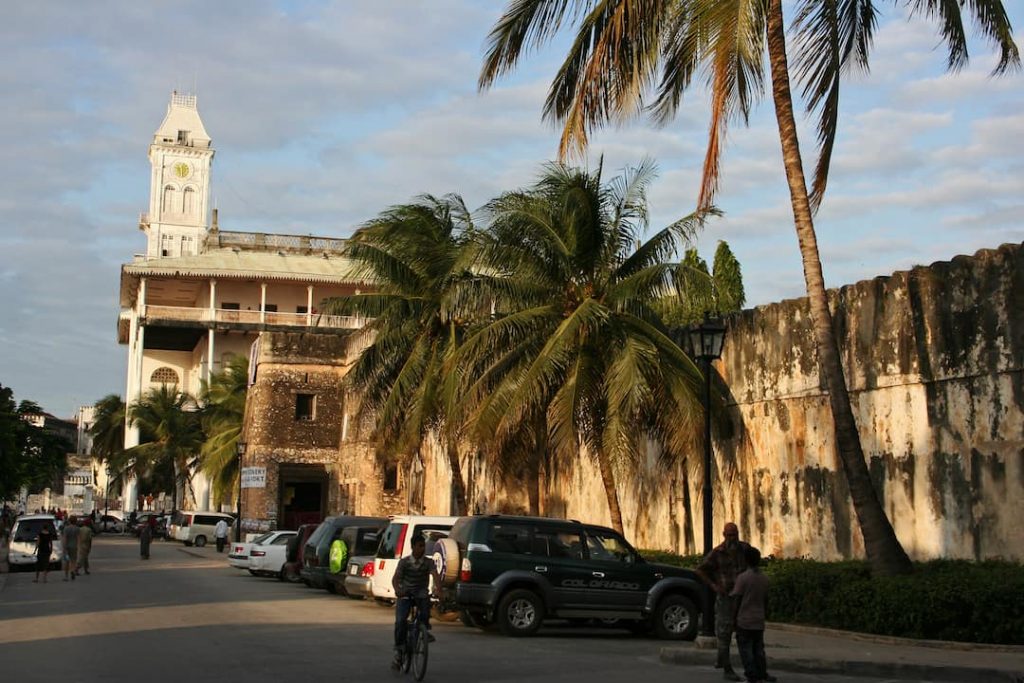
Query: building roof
{"points": [[182, 114], [241, 265]]}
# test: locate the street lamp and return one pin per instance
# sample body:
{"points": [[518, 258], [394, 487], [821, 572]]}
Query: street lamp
{"points": [[240, 450], [706, 340]]}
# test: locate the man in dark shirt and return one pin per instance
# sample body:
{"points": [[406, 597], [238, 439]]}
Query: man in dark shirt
{"points": [[719, 571], [751, 593], [412, 584], [44, 548]]}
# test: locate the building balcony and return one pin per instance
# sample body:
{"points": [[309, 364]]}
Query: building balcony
{"points": [[184, 316], [262, 241]]}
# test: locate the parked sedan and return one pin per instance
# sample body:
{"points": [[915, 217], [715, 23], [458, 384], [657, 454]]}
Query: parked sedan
{"points": [[267, 554], [359, 576], [238, 551], [110, 524]]}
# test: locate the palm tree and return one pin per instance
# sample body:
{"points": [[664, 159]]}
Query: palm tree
{"points": [[575, 338], [169, 422], [623, 48], [410, 254], [223, 401], [108, 438]]}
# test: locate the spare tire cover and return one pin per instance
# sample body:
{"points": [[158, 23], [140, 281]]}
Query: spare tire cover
{"points": [[446, 557], [338, 557]]}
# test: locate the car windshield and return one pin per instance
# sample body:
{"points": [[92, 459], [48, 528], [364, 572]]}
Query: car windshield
{"points": [[28, 529]]}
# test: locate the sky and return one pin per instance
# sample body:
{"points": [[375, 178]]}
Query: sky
{"points": [[322, 114]]}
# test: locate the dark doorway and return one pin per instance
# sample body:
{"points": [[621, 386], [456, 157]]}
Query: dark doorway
{"points": [[303, 495]]}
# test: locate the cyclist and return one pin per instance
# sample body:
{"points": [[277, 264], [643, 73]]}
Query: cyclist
{"points": [[412, 583]]}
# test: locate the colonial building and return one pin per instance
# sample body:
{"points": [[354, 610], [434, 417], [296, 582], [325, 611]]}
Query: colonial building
{"points": [[198, 295]]}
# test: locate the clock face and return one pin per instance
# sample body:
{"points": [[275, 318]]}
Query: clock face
{"points": [[182, 170]]}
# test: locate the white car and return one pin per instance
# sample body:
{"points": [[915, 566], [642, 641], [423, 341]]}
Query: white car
{"points": [[23, 540], [267, 554], [396, 543], [238, 552]]}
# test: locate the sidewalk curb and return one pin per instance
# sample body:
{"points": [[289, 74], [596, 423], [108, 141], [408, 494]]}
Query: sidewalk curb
{"points": [[895, 640], [192, 553], [958, 674]]}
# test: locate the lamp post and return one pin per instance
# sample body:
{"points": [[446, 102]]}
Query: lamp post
{"points": [[706, 340], [240, 450]]}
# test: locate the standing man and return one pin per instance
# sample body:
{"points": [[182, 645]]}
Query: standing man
{"points": [[69, 545], [751, 593], [220, 532], [85, 544], [719, 571]]}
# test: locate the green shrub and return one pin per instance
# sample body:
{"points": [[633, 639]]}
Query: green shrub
{"points": [[942, 600]]}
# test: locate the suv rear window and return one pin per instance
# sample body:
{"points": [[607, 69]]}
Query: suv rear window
{"points": [[325, 527], [389, 546], [28, 529]]}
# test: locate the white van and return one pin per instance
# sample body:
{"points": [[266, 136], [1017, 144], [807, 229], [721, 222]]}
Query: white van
{"points": [[196, 526], [23, 540], [396, 543]]}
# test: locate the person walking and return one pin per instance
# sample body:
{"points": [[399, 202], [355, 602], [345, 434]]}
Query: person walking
{"points": [[44, 548], [145, 538], [751, 594], [85, 535], [220, 532], [719, 571], [69, 544]]}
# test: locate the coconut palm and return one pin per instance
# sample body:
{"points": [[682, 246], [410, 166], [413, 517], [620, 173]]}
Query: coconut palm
{"points": [[108, 438], [623, 48], [574, 337], [223, 401], [169, 423], [409, 253]]}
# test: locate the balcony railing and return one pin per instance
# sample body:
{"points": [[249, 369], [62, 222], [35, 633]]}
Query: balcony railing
{"points": [[262, 241], [220, 315]]}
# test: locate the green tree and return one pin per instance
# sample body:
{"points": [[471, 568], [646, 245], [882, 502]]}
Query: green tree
{"points": [[108, 437], [223, 400], [12, 443], [623, 48], [171, 430], [410, 252], [697, 291], [575, 338]]}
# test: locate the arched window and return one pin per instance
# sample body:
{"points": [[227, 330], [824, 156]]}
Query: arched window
{"points": [[168, 203], [188, 204], [164, 375]]}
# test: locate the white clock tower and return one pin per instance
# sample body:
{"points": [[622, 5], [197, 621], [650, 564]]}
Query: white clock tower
{"points": [[179, 195]]}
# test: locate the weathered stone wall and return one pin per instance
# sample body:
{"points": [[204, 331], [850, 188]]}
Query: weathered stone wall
{"points": [[289, 364], [934, 360]]}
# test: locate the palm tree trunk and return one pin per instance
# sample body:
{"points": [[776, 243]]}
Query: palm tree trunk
{"points": [[458, 486], [608, 478], [533, 485], [883, 549]]}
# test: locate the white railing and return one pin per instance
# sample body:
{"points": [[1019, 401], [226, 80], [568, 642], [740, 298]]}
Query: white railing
{"points": [[265, 241], [220, 315]]}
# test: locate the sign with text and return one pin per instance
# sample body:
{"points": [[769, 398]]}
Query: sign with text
{"points": [[254, 477]]}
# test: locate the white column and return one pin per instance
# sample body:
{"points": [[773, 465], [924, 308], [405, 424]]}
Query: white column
{"points": [[213, 299], [263, 302], [309, 304], [209, 356]]}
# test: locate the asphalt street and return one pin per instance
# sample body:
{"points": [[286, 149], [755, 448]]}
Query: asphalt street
{"points": [[185, 615]]}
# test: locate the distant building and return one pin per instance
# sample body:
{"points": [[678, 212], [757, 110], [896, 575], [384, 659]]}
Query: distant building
{"points": [[199, 295]]}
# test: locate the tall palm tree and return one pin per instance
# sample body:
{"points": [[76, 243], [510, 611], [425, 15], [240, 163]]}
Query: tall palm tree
{"points": [[108, 438], [623, 48], [169, 422], [575, 337], [223, 401], [409, 253]]}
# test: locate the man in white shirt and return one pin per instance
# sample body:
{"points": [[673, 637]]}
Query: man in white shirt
{"points": [[220, 532]]}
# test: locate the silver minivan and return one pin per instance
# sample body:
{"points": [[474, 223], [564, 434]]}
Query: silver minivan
{"points": [[195, 527]]}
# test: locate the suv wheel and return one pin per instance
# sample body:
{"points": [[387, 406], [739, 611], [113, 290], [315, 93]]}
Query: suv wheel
{"points": [[200, 541], [676, 618], [520, 612]]}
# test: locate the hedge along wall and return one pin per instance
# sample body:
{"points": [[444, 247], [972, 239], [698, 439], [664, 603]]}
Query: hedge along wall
{"points": [[933, 359]]}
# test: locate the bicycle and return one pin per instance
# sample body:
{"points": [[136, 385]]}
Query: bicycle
{"points": [[414, 652]]}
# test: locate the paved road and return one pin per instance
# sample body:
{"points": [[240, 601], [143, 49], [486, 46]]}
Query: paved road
{"points": [[185, 615]]}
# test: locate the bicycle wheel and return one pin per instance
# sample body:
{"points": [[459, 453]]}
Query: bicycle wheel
{"points": [[410, 636], [419, 654]]}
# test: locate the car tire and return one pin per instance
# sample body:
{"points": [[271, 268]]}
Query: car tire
{"points": [[448, 561], [331, 588], [676, 618], [281, 574], [253, 572], [520, 612], [200, 541]]}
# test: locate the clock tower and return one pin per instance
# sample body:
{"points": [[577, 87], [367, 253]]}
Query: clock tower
{"points": [[179, 194]]}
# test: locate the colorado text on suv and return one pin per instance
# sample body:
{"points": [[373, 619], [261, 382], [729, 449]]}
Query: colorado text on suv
{"points": [[518, 571]]}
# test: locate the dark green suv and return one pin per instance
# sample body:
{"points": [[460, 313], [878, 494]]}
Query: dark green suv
{"points": [[518, 571]]}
